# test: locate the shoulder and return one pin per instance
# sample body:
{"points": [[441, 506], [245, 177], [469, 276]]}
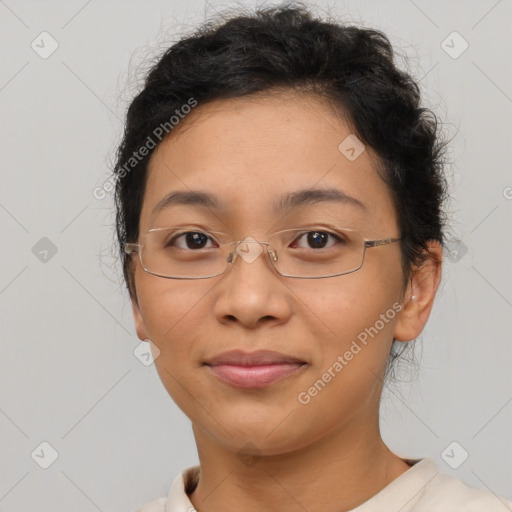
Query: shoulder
{"points": [[448, 493], [157, 505]]}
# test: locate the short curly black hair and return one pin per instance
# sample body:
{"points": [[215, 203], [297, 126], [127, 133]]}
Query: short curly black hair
{"points": [[286, 47]]}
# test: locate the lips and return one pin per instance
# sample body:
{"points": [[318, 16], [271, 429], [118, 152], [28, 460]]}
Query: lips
{"points": [[257, 358], [253, 369]]}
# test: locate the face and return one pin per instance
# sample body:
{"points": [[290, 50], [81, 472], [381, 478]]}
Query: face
{"points": [[249, 153]]}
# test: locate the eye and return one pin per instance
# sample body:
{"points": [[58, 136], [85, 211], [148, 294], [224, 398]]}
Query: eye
{"points": [[317, 239], [192, 240]]}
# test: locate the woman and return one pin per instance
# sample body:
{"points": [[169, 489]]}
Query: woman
{"points": [[280, 217]]}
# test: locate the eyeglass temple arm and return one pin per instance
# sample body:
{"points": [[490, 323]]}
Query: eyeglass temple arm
{"points": [[375, 243], [129, 248]]}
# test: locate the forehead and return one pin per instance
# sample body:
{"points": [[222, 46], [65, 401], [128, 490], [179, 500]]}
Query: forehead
{"points": [[251, 152]]}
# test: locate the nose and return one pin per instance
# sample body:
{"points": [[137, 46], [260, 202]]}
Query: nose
{"points": [[250, 295]]}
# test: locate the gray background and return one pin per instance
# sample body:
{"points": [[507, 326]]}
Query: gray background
{"points": [[68, 373]]}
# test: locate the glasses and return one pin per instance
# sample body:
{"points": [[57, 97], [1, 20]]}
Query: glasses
{"points": [[304, 253]]}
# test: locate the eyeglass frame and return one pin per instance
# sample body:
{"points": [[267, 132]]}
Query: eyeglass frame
{"points": [[131, 247]]}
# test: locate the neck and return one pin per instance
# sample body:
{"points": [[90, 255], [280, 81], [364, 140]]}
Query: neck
{"points": [[336, 473]]}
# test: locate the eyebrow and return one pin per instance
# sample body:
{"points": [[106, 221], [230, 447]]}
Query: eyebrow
{"points": [[291, 200]]}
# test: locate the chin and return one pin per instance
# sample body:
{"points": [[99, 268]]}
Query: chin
{"points": [[264, 438]]}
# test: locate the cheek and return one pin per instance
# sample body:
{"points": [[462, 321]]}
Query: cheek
{"points": [[174, 315], [345, 305], [354, 318], [352, 349]]}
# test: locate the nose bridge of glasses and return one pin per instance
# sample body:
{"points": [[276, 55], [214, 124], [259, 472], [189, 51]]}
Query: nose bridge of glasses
{"points": [[249, 249]]}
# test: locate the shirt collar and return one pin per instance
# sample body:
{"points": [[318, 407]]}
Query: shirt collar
{"points": [[401, 494], [404, 491], [178, 500]]}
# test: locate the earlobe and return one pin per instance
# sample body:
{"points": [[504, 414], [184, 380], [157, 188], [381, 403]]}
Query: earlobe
{"points": [[420, 295], [140, 326]]}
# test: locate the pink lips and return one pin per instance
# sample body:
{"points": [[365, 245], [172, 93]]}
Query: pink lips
{"points": [[253, 369]]}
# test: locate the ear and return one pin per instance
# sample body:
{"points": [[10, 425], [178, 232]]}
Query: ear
{"points": [[140, 326], [423, 287]]}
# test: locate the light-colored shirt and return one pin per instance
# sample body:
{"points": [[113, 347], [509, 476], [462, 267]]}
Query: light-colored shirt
{"points": [[422, 488]]}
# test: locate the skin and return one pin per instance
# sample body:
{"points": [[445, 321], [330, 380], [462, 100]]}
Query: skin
{"points": [[327, 455]]}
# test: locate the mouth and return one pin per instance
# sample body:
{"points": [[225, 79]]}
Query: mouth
{"points": [[254, 369], [255, 376]]}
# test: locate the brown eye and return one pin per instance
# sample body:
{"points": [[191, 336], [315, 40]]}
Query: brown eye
{"points": [[193, 240], [318, 239]]}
